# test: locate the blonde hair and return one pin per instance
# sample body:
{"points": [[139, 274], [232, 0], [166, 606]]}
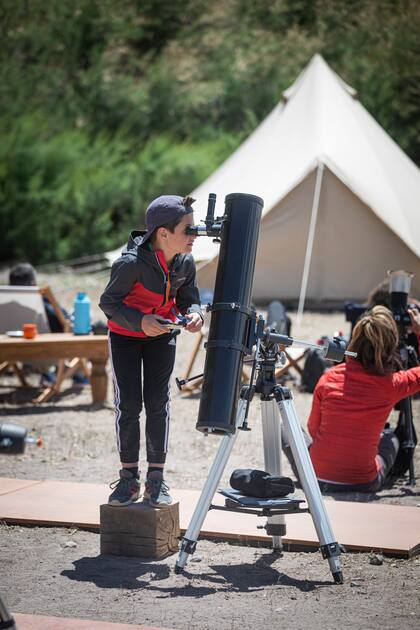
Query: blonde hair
{"points": [[375, 339]]}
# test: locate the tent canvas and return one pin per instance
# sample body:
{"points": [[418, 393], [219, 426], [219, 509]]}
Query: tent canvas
{"points": [[352, 250], [367, 218]]}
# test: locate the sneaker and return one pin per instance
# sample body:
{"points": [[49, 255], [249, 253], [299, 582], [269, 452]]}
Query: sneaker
{"points": [[156, 490], [126, 489], [47, 379], [80, 380]]}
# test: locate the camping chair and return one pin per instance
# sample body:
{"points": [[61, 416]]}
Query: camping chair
{"points": [[64, 370], [194, 385], [293, 358], [7, 365], [20, 305], [24, 304]]}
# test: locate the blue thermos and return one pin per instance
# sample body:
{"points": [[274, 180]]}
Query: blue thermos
{"points": [[81, 314]]}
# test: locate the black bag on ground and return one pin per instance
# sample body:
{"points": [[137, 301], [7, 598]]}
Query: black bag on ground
{"points": [[314, 367], [259, 483]]}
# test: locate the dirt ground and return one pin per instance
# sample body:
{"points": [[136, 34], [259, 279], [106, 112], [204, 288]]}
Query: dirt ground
{"points": [[59, 571]]}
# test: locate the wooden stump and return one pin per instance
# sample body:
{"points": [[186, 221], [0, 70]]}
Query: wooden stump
{"points": [[139, 530]]}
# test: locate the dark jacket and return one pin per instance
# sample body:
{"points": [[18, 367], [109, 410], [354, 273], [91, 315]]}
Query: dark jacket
{"points": [[141, 283]]}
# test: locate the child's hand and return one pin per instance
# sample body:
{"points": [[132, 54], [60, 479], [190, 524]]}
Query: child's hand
{"points": [[195, 322], [151, 326]]}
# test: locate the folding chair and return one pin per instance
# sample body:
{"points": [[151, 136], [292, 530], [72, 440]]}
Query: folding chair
{"points": [[195, 385], [292, 361], [63, 371]]}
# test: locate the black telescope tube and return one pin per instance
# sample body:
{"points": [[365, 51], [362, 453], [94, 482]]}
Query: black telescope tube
{"points": [[230, 317]]}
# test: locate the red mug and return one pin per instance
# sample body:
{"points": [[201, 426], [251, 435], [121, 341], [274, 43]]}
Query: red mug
{"points": [[30, 331]]}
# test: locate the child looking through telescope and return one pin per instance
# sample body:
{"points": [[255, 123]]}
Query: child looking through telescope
{"points": [[153, 280]]}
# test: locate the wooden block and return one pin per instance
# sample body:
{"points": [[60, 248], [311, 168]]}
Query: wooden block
{"points": [[139, 530]]}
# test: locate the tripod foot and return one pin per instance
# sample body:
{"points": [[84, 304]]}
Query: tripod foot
{"points": [[338, 577], [178, 569]]}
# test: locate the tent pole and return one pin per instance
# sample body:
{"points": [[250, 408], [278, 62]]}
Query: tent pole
{"points": [[309, 246]]}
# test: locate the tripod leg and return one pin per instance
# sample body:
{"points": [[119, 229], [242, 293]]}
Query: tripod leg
{"points": [[6, 619], [271, 427], [408, 442], [189, 541], [329, 546]]}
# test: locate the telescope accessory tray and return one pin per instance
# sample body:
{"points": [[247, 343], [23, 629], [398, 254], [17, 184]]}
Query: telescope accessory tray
{"points": [[237, 502]]}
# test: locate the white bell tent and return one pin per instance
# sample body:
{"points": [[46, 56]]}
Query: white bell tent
{"points": [[341, 199]]}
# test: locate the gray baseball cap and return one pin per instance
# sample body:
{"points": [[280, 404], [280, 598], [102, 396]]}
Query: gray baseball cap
{"points": [[164, 209]]}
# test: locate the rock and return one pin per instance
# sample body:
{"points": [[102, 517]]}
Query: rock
{"points": [[70, 543], [377, 559], [355, 583]]}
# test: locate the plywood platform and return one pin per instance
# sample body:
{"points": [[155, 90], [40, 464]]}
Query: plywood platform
{"points": [[41, 622], [394, 529]]}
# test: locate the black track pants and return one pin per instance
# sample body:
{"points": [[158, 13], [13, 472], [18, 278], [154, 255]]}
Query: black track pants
{"points": [[141, 372]]}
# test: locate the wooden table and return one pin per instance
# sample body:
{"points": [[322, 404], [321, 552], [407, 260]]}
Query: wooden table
{"points": [[62, 346]]}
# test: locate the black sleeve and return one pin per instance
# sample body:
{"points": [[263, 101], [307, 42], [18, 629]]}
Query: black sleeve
{"points": [[188, 296], [123, 278]]}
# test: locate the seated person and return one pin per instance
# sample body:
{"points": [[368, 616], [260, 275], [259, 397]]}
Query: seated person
{"points": [[380, 296], [351, 449], [24, 275]]}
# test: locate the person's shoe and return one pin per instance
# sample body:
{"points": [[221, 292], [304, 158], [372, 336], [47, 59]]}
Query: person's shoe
{"points": [[47, 379], [156, 490], [80, 380], [126, 489]]}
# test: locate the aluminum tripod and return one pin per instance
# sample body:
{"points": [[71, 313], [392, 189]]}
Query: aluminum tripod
{"points": [[6, 619], [276, 402]]}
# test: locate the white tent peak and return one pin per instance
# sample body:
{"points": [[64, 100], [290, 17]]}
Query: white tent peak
{"points": [[321, 121], [316, 65]]}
